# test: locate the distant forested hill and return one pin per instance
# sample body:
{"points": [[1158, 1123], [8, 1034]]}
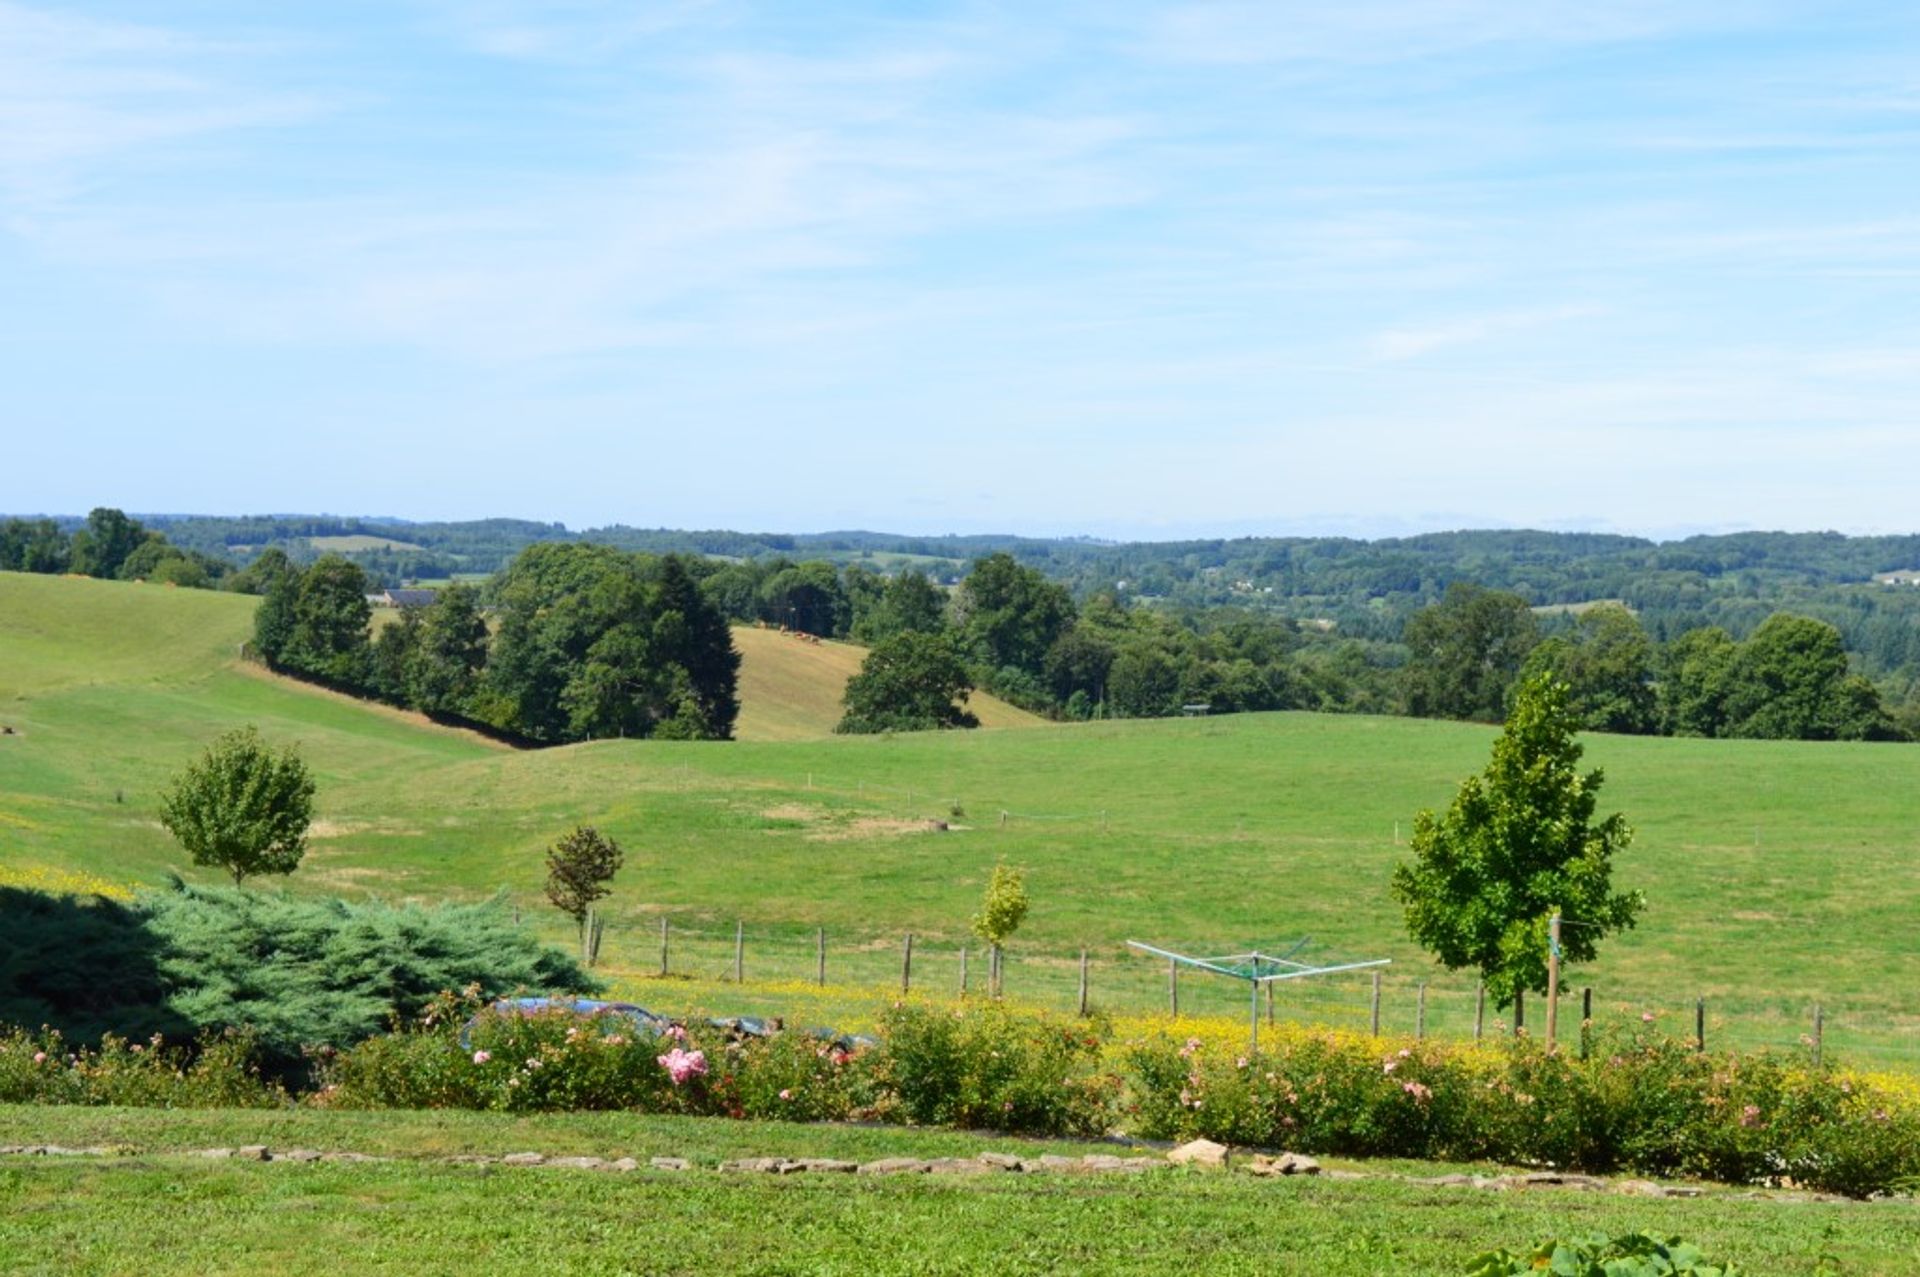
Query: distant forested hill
{"points": [[1360, 591]]}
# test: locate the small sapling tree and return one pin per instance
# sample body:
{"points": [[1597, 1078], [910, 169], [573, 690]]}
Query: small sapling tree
{"points": [[1001, 912], [1518, 843], [579, 867], [242, 807]]}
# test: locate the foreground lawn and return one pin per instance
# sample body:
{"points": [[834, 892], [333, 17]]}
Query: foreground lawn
{"points": [[151, 1208]]}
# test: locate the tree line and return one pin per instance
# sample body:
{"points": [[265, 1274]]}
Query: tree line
{"points": [[1747, 635], [109, 546], [569, 642], [1007, 628]]}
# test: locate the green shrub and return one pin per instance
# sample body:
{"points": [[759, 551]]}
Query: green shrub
{"points": [[296, 973], [1629, 1255], [220, 1072], [987, 1067]]}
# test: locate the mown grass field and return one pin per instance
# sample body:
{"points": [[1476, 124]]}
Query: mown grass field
{"points": [[151, 1209], [1778, 873]]}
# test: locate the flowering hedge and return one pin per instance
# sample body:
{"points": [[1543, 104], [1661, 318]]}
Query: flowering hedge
{"points": [[219, 1072], [554, 1061], [979, 1066], [1639, 1102]]}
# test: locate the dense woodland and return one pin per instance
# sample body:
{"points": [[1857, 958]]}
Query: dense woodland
{"points": [[1753, 634], [569, 642]]}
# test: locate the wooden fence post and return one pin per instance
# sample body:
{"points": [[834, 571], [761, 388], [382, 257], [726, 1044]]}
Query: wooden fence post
{"points": [[820, 956], [1586, 1019], [1420, 1015], [1083, 982], [1819, 1030], [906, 965], [1553, 979], [1699, 1024], [1479, 1010], [739, 952], [663, 944], [1519, 1011], [1173, 988], [1376, 1004], [1269, 1004], [963, 971]]}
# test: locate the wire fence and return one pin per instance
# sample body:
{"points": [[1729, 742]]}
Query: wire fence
{"points": [[761, 967]]}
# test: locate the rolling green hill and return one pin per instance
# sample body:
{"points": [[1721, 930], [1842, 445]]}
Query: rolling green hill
{"points": [[1778, 872]]}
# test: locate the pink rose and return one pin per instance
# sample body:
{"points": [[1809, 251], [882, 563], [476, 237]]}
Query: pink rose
{"points": [[681, 1065], [481, 1057]]}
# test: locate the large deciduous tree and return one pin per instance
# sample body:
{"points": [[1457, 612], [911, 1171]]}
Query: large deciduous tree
{"points": [[1608, 665], [597, 643], [1012, 614], [243, 807], [102, 547], [909, 683], [330, 619], [1519, 842], [1465, 652], [450, 654]]}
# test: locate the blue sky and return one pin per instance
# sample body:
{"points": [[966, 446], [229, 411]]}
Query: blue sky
{"points": [[1114, 268]]}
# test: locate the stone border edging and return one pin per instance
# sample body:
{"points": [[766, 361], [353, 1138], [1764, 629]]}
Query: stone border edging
{"points": [[1200, 1155]]}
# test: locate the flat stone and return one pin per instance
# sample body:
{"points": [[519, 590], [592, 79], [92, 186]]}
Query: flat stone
{"points": [[524, 1159], [670, 1163], [1681, 1190], [954, 1166], [826, 1166], [895, 1166], [1284, 1164], [348, 1157], [1055, 1162], [1560, 1179], [754, 1165], [298, 1155], [1638, 1188], [253, 1153], [213, 1152], [578, 1163], [1002, 1162], [622, 1164], [1203, 1153]]}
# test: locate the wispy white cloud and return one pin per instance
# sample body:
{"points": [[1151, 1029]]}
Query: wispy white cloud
{"points": [[1413, 341], [1397, 31], [78, 92], [564, 31]]}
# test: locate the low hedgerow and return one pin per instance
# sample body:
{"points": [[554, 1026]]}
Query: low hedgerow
{"points": [[1640, 1103], [983, 1066], [988, 1067], [220, 1071]]}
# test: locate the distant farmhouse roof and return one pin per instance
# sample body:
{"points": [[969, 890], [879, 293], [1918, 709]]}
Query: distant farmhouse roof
{"points": [[403, 598], [1909, 577]]}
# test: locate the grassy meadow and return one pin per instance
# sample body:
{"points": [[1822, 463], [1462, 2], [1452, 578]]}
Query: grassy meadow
{"points": [[1778, 873]]}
